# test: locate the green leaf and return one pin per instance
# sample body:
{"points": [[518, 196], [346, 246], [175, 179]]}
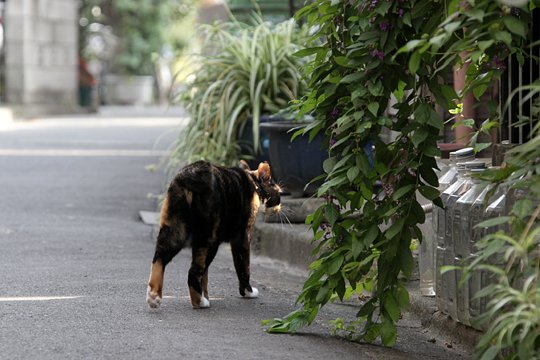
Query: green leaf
{"points": [[429, 192], [494, 222], [479, 90], [342, 60], [347, 79], [371, 234], [402, 191], [515, 26], [357, 247], [322, 295], [503, 36], [419, 136], [391, 307], [476, 14], [331, 213], [329, 164], [481, 146], [402, 296], [335, 265], [451, 27], [483, 45], [388, 333], [411, 45], [352, 173], [407, 261], [414, 61], [395, 229], [491, 353], [522, 208], [310, 51], [373, 108]]}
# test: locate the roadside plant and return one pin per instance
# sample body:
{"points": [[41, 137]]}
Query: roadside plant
{"points": [[512, 318], [364, 53], [243, 71]]}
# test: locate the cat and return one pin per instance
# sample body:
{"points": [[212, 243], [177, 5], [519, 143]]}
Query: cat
{"points": [[206, 205]]}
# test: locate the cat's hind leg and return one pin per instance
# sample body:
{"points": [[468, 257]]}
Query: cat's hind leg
{"points": [[170, 240]]}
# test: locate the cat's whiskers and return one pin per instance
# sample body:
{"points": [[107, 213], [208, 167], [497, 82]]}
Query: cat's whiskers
{"points": [[283, 215]]}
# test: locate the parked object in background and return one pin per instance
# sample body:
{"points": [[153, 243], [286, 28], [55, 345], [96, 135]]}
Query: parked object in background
{"points": [[428, 248], [461, 236], [128, 89], [446, 283]]}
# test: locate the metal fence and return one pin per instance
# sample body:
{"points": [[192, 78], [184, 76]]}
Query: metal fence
{"points": [[517, 121]]}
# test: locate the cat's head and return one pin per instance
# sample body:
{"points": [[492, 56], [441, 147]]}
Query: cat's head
{"points": [[269, 192]]}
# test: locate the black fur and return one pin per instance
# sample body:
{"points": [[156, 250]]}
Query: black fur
{"points": [[206, 205]]}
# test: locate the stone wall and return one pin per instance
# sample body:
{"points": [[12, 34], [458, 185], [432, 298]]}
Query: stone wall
{"points": [[42, 54]]}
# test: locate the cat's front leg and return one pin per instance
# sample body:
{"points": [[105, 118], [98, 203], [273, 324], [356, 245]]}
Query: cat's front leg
{"points": [[155, 285]]}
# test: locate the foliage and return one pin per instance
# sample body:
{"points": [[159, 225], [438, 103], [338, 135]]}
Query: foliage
{"points": [[363, 53], [243, 70], [143, 28], [512, 319]]}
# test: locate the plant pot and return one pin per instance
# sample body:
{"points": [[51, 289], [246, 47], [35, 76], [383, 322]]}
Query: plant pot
{"points": [[295, 164], [245, 139], [128, 89]]}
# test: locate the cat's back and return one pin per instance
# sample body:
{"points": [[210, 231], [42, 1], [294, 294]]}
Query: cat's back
{"points": [[205, 178]]}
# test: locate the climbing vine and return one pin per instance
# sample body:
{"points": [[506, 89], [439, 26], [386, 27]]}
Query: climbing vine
{"points": [[377, 72]]}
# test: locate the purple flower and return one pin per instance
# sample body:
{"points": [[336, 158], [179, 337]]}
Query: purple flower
{"points": [[384, 26], [401, 12], [378, 54], [498, 63], [373, 4], [335, 114]]}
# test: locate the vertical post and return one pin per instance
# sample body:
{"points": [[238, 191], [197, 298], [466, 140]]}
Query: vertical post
{"points": [[462, 132]]}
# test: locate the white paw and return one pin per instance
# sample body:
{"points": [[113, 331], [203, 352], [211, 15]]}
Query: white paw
{"points": [[252, 294], [152, 299], [204, 303]]}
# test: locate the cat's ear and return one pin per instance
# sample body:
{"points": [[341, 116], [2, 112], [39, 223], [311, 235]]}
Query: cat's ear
{"points": [[263, 172], [243, 165]]}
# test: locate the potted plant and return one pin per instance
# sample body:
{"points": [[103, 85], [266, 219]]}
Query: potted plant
{"points": [[297, 159], [244, 72]]}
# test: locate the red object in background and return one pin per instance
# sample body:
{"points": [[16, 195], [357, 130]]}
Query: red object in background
{"points": [[85, 77]]}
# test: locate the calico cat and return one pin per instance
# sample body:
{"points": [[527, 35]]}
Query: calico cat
{"points": [[206, 205]]}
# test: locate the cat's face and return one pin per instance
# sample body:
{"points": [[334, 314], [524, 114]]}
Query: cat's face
{"points": [[269, 191]]}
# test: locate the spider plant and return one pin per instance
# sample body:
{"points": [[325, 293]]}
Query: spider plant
{"points": [[243, 71]]}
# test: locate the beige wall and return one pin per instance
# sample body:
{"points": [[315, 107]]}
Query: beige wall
{"points": [[42, 53]]}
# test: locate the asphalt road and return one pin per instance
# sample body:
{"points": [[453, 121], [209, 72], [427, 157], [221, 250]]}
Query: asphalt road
{"points": [[75, 259]]}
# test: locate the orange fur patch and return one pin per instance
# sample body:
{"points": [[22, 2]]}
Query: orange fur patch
{"points": [[189, 197], [156, 278], [195, 298], [164, 218]]}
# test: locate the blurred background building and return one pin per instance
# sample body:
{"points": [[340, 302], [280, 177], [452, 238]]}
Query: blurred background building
{"points": [[39, 56]]}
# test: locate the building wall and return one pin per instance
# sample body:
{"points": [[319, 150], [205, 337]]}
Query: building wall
{"points": [[42, 53]]}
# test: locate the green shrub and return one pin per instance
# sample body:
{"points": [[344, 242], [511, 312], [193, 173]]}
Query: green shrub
{"points": [[241, 71]]}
